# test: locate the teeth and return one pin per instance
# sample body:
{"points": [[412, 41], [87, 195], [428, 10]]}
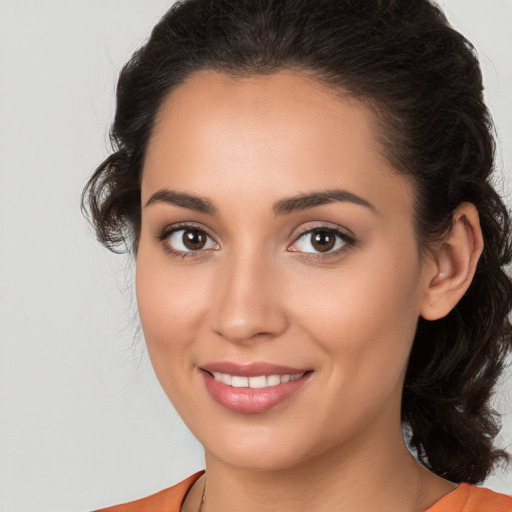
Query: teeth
{"points": [[227, 379], [273, 380], [240, 382], [257, 382]]}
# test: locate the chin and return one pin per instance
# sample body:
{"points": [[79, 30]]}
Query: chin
{"points": [[264, 449], [261, 460]]}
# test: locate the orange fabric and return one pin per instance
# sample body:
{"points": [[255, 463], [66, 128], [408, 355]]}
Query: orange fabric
{"points": [[466, 498], [168, 500]]}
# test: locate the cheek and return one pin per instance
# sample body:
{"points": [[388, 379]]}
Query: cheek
{"points": [[169, 304], [363, 317]]}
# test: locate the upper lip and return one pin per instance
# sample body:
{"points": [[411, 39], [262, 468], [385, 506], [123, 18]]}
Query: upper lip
{"points": [[250, 369]]}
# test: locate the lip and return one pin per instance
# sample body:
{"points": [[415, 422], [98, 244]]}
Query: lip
{"points": [[250, 400]]}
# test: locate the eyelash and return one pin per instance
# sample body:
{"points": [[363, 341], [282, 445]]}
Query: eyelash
{"points": [[168, 231], [348, 241]]}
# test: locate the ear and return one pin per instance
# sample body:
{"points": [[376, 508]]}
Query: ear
{"points": [[453, 264]]}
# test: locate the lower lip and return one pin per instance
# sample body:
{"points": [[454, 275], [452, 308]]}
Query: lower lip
{"points": [[249, 400]]}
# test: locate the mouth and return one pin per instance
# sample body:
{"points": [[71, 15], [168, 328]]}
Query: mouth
{"points": [[252, 388], [256, 382]]}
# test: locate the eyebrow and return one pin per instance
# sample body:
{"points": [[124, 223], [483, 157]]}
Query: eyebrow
{"points": [[317, 198], [282, 207], [196, 203]]}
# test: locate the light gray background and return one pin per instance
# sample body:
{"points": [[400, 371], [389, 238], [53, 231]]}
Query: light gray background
{"points": [[83, 422]]}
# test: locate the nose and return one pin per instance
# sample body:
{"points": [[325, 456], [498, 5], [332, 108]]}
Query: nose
{"points": [[247, 301]]}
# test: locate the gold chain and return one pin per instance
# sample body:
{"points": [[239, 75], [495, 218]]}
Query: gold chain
{"points": [[201, 505]]}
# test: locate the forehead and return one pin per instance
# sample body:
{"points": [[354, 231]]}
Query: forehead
{"points": [[265, 135], [209, 106]]}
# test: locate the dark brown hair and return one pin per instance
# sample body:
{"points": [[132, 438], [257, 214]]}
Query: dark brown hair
{"points": [[423, 81]]}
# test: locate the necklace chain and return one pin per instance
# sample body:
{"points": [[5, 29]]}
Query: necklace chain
{"points": [[203, 498]]}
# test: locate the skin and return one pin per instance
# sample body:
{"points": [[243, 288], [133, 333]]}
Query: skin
{"points": [[255, 292]]}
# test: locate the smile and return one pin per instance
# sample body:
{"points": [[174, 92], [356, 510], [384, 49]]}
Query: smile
{"points": [[256, 382], [252, 388]]}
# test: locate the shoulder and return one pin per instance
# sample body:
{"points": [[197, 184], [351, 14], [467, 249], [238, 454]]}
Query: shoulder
{"points": [[468, 498], [168, 500]]}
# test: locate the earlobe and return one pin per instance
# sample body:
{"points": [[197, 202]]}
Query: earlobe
{"points": [[454, 264]]}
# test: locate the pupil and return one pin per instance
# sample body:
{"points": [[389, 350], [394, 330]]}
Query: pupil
{"points": [[193, 239], [323, 241]]}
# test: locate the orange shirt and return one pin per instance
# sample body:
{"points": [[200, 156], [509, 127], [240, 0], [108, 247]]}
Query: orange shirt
{"points": [[465, 498]]}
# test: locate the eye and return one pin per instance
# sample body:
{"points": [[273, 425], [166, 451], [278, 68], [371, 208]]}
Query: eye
{"points": [[321, 240], [182, 240]]}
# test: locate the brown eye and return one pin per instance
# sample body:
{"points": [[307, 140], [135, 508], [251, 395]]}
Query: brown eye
{"points": [[189, 239], [323, 241], [194, 240]]}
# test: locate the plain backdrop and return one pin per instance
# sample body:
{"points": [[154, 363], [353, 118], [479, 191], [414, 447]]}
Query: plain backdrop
{"points": [[83, 422]]}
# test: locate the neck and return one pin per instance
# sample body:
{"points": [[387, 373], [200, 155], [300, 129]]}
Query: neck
{"points": [[352, 478]]}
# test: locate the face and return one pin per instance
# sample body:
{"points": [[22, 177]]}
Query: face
{"points": [[279, 281]]}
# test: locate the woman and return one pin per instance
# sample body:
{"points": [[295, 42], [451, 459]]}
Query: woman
{"points": [[320, 252]]}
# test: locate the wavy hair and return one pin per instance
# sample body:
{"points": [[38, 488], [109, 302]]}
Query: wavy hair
{"points": [[422, 80]]}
